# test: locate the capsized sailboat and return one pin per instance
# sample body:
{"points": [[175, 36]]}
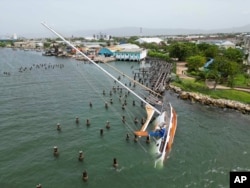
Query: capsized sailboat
{"points": [[165, 123], [163, 132]]}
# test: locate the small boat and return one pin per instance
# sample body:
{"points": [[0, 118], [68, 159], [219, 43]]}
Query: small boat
{"points": [[165, 122]]}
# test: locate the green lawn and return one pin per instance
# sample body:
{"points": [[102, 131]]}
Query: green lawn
{"points": [[241, 81], [230, 94]]}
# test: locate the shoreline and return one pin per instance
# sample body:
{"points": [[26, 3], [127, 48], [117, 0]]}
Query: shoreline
{"points": [[207, 100], [95, 58]]}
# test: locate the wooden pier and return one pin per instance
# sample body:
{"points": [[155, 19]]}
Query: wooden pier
{"points": [[156, 77], [97, 59]]}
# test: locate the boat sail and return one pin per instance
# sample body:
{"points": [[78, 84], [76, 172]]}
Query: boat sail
{"points": [[165, 123]]}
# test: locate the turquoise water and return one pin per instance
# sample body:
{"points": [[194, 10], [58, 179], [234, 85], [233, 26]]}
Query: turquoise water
{"points": [[209, 142]]}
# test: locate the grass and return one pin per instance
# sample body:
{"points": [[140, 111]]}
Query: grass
{"points": [[231, 94], [191, 85], [241, 81], [200, 87]]}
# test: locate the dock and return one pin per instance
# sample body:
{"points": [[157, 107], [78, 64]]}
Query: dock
{"points": [[156, 77], [96, 59]]}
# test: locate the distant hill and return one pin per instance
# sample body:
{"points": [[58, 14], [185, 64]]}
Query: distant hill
{"points": [[134, 31], [242, 29]]}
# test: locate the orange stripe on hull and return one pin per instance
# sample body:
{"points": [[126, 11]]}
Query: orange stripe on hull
{"points": [[172, 131]]}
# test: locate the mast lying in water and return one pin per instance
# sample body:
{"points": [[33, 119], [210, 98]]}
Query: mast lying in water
{"points": [[110, 75]]}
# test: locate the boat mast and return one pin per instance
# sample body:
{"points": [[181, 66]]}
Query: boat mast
{"points": [[110, 75]]}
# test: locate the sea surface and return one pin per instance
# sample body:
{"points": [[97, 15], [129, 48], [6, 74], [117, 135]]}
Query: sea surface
{"points": [[37, 92]]}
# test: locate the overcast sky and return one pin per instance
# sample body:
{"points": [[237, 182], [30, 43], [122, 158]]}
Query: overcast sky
{"points": [[24, 16]]}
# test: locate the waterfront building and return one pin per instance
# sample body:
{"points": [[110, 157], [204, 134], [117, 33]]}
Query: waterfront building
{"points": [[129, 52], [28, 44], [105, 52]]}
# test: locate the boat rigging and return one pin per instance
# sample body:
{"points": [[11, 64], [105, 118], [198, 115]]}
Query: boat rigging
{"points": [[90, 60], [165, 123]]}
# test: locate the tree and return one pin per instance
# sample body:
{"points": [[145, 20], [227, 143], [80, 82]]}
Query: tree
{"points": [[227, 69], [234, 55], [212, 51], [202, 76], [177, 50], [182, 50], [132, 39], [233, 70], [208, 50], [2, 44], [203, 46], [158, 55], [195, 62], [214, 75], [46, 44]]}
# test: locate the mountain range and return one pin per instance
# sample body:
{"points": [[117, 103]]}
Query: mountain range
{"points": [[136, 31]]}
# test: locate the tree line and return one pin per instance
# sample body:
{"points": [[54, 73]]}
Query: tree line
{"points": [[226, 65]]}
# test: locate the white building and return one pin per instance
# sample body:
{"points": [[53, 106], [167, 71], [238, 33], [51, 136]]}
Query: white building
{"points": [[130, 52], [227, 44], [149, 40], [222, 44]]}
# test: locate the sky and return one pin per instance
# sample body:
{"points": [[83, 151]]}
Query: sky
{"points": [[23, 17]]}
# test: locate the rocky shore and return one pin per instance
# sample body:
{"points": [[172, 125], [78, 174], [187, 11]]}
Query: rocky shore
{"points": [[206, 100]]}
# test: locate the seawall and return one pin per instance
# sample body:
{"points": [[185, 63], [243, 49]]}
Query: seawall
{"points": [[206, 100]]}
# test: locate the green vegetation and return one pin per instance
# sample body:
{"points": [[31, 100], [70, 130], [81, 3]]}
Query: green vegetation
{"points": [[208, 50], [6, 43], [227, 68], [191, 85], [231, 94], [159, 55], [2, 44], [200, 87], [182, 50], [195, 62], [46, 45], [242, 80]]}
